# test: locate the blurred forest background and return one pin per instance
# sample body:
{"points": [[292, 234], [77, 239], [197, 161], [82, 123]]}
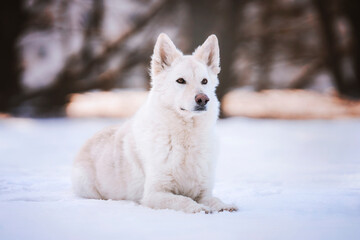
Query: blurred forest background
{"points": [[52, 51]]}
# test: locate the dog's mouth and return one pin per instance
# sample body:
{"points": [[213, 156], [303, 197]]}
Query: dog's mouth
{"points": [[196, 109], [200, 108]]}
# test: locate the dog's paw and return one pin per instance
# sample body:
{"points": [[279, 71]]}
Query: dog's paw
{"points": [[198, 209], [227, 207], [217, 205]]}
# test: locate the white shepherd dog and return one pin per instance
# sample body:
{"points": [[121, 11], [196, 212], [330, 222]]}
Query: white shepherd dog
{"points": [[164, 156]]}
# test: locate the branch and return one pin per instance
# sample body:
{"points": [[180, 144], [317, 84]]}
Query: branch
{"points": [[304, 77], [99, 63]]}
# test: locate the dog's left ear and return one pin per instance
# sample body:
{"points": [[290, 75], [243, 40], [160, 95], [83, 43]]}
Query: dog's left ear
{"points": [[209, 53]]}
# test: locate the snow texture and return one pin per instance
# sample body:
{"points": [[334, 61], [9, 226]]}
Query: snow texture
{"points": [[290, 179]]}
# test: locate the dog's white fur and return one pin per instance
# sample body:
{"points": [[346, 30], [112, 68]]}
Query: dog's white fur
{"points": [[164, 156]]}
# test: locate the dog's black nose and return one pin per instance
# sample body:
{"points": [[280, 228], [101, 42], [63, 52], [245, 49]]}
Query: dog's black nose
{"points": [[201, 99]]}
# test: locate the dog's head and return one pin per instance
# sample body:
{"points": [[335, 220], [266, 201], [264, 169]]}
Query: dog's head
{"points": [[186, 83]]}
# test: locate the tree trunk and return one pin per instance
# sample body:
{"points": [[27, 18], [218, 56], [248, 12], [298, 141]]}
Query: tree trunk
{"points": [[346, 87], [13, 19], [352, 12], [264, 54], [228, 43], [201, 21]]}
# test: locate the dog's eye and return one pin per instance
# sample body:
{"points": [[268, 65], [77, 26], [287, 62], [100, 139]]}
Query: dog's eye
{"points": [[181, 81], [204, 81]]}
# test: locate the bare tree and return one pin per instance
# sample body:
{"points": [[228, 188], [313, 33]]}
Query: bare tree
{"points": [[260, 33]]}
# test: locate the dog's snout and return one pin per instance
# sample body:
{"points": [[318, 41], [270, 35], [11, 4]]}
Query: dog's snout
{"points": [[201, 99]]}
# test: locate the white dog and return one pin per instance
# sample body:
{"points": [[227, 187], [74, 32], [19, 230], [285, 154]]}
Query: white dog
{"points": [[164, 156]]}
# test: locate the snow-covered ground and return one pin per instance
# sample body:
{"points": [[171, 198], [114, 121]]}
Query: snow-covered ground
{"points": [[290, 179]]}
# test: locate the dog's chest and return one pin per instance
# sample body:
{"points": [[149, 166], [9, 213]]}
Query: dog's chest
{"points": [[188, 181], [189, 167]]}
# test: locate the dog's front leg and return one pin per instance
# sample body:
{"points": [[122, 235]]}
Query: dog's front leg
{"points": [[168, 200], [216, 204]]}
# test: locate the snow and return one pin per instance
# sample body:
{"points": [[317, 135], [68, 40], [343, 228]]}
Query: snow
{"points": [[290, 179]]}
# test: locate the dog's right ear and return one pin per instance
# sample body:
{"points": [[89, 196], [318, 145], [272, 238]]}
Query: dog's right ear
{"points": [[164, 54]]}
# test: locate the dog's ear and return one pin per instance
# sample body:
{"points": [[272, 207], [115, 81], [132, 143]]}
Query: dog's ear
{"points": [[209, 53], [164, 54]]}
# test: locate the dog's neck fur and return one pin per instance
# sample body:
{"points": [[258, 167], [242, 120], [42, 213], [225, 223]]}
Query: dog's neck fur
{"points": [[171, 117]]}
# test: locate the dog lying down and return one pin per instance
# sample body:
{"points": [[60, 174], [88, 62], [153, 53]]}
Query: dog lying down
{"points": [[164, 156]]}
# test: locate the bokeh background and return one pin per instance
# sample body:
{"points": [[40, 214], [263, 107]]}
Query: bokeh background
{"points": [[87, 58], [289, 137]]}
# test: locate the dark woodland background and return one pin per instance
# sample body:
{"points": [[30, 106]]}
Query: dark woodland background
{"points": [[53, 48]]}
